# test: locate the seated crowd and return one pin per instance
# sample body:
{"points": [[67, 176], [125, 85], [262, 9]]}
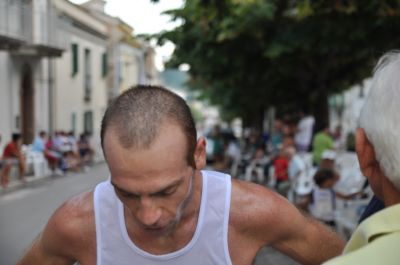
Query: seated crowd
{"points": [[62, 151], [306, 171]]}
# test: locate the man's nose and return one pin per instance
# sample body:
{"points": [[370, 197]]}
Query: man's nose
{"points": [[148, 213]]}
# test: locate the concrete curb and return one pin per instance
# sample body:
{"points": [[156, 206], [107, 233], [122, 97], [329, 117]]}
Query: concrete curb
{"points": [[16, 184]]}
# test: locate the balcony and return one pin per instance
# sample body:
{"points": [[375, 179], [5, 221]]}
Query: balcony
{"points": [[11, 24], [30, 28]]}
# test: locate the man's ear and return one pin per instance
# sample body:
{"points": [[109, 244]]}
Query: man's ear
{"points": [[200, 153], [366, 155]]}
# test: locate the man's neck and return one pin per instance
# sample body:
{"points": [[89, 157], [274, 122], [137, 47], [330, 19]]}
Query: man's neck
{"points": [[391, 195]]}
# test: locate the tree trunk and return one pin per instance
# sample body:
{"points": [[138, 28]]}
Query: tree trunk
{"points": [[321, 110]]}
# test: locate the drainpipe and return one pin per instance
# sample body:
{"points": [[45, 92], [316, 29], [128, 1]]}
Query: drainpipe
{"points": [[51, 96]]}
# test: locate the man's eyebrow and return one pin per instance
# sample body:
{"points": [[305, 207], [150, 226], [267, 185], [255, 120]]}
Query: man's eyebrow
{"points": [[176, 182], [173, 184], [121, 189]]}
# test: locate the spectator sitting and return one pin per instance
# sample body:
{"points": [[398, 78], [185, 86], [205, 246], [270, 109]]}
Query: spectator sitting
{"points": [[63, 145], [328, 159], [321, 203], [276, 136], [255, 169], [85, 150], [281, 165], [232, 154], [72, 142], [297, 169], [57, 143], [287, 142], [38, 144], [53, 156], [296, 164], [73, 155], [13, 156], [304, 131], [322, 141]]}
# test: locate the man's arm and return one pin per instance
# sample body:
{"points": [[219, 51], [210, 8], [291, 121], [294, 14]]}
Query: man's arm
{"points": [[65, 236], [39, 253], [266, 218], [307, 240]]}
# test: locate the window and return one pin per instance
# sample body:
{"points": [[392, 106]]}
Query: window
{"points": [[88, 122], [88, 76], [104, 64], [74, 59]]}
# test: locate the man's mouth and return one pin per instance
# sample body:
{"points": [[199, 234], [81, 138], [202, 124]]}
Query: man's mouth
{"points": [[157, 228], [156, 231]]}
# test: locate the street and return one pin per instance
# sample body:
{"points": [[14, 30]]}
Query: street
{"points": [[24, 213]]}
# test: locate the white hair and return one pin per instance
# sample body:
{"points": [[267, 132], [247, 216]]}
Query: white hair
{"points": [[380, 115]]}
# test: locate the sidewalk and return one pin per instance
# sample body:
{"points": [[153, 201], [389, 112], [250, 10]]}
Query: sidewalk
{"points": [[16, 184]]}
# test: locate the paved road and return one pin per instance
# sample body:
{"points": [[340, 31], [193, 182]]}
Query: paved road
{"points": [[25, 211]]}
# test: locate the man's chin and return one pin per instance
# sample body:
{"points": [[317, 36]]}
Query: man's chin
{"points": [[160, 230]]}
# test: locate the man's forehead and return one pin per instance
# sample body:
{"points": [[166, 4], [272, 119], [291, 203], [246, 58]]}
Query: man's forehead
{"points": [[138, 169], [115, 136], [145, 137], [147, 186]]}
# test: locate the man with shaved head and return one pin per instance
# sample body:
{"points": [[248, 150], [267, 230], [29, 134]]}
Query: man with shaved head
{"points": [[160, 207]]}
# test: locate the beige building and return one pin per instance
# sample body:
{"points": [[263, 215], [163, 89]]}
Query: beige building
{"points": [[62, 62], [131, 60], [29, 42], [80, 96]]}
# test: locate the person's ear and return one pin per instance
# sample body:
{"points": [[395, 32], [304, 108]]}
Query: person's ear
{"points": [[200, 153], [366, 155]]}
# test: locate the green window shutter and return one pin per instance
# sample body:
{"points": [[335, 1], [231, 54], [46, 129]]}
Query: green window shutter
{"points": [[87, 71], [104, 65], [75, 58], [88, 122]]}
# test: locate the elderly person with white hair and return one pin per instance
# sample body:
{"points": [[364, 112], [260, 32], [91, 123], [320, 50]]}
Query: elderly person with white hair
{"points": [[377, 239]]}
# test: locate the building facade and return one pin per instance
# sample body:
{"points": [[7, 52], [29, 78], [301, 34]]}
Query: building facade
{"points": [[80, 95], [126, 54], [29, 43], [62, 63]]}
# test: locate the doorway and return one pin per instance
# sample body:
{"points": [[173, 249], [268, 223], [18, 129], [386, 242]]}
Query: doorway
{"points": [[27, 105]]}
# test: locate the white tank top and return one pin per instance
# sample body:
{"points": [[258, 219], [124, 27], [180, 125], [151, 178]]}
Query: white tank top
{"points": [[209, 245]]}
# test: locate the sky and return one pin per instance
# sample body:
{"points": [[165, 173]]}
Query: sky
{"points": [[145, 17]]}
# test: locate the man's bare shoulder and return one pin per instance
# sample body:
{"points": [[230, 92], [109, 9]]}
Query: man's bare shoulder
{"points": [[260, 216], [69, 235], [249, 198], [72, 226], [78, 208], [254, 207]]}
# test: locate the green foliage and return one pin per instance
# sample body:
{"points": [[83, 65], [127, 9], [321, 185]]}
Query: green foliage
{"points": [[246, 55]]}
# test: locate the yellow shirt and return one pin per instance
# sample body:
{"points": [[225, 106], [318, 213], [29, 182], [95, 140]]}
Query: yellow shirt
{"points": [[375, 241]]}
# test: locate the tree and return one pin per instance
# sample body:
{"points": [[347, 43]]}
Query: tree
{"points": [[247, 55]]}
